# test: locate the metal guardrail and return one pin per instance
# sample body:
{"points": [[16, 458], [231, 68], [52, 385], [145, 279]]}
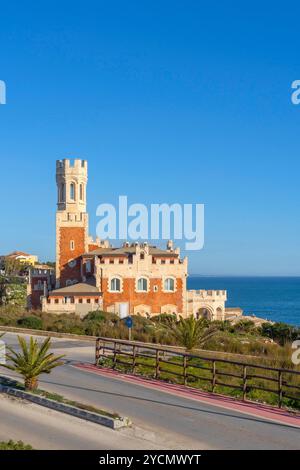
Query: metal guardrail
{"points": [[186, 367]]}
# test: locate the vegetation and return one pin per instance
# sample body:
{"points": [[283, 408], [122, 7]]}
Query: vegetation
{"points": [[32, 361], [12, 292], [32, 322], [280, 332], [272, 342], [13, 445], [191, 333]]}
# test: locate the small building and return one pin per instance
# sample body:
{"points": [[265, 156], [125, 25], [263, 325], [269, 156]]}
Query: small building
{"points": [[80, 299], [41, 280], [22, 257]]}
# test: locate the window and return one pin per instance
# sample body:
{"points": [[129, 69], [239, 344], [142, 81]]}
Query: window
{"points": [[169, 284], [142, 256], [72, 245], [142, 284], [72, 191], [115, 285]]}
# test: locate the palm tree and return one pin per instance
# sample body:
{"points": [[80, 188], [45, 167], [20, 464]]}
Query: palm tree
{"points": [[32, 361], [189, 332]]}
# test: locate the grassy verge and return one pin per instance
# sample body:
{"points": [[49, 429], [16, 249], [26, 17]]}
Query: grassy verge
{"points": [[59, 398]]}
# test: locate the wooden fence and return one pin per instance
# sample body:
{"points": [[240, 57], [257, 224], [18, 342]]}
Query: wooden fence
{"points": [[207, 373]]}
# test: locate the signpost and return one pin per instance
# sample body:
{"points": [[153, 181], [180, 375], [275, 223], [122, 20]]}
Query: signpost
{"points": [[129, 323]]}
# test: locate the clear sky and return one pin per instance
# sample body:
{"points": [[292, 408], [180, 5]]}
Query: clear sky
{"points": [[169, 101]]}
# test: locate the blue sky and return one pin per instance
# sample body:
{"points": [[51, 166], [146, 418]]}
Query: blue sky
{"points": [[169, 101]]}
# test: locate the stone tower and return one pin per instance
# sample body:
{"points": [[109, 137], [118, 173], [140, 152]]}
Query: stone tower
{"points": [[71, 220]]}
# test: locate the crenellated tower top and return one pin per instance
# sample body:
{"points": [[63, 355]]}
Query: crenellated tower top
{"points": [[71, 180]]}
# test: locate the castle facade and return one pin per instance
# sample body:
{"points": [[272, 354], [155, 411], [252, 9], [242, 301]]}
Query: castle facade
{"points": [[136, 278]]}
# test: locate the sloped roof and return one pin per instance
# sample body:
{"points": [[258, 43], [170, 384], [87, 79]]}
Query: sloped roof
{"points": [[17, 253], [80, 288]]}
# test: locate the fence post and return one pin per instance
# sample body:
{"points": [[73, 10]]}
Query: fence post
{"points": [[115, 354], [214, 376], [157, 364], [185, 370], [280, 388], [97, 352], [134, 359], [244, 382]]}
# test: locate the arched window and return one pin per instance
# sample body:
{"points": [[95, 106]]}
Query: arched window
{"points": [[72, 191], [142, 284], [81, 192], [115, 285], [169, 284]]}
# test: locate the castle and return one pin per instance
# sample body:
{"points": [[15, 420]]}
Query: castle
{"points": [[136, 278]]}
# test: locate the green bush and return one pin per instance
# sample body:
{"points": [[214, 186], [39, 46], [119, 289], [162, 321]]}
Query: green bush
{"points": [[280, 332], [164, 318], [12, 445], [34, 323], [95, 316]]}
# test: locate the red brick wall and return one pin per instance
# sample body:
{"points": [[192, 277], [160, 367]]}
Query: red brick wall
{"points": [[155, 299], [77, 234], [93, 247]]}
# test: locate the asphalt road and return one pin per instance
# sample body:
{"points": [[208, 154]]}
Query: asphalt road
{"points": [[49, 430], [162, 418]]}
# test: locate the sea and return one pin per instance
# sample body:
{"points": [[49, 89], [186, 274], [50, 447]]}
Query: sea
{"points": [[273, 298]]}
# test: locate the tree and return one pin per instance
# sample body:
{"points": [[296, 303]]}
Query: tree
{"points": [[32, 361], [12, 266], [190, 333]]}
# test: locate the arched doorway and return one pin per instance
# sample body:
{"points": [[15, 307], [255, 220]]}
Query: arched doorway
{"points": [[203, 312]]}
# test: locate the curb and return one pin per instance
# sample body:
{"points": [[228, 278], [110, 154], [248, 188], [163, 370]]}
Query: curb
{"points": [[112, 423]]}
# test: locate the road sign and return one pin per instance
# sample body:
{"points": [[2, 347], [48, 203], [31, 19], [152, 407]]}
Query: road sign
{"points": [[129, 322]]}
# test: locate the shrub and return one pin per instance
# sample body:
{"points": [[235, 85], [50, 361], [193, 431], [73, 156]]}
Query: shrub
{"points": [[280, 332], [96, 316], [12, 445], [164, 318], [34, 323]]}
